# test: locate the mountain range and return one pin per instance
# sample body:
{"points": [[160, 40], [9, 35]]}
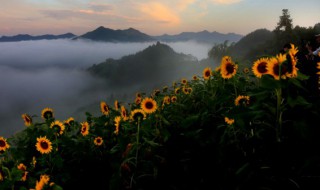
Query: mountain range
{"points": [[132, 35], [27, 37]]}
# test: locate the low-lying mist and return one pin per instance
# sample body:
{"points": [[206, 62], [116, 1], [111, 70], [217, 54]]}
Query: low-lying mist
{"points": [[52, 73]]}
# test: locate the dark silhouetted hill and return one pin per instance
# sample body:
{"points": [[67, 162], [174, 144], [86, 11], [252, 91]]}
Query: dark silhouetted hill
{"points": [[27, 37], [152, 67], [203, 37], [110, 35]]}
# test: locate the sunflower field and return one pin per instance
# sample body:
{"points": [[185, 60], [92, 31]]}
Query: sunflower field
{"points": [[231, 128]]}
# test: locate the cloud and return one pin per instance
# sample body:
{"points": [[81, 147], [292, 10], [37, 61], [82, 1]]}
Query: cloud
{"points": [[226, 2], [51, 73], [159, 13]]}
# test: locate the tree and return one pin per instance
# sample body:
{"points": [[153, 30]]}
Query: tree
{"points": [[285, 21], [284, 30]]}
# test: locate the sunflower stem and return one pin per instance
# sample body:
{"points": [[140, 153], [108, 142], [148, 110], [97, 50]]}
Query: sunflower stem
{"points": [[137, 149], [278, 114]]}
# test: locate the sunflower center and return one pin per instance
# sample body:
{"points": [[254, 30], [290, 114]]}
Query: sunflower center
{"points": [[2, 143], [47, 114], [262, 67], [207, 74], [149, 105], [229, 68], [44, 145]]}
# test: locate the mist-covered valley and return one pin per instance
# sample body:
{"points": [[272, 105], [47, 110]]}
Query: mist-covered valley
{"points": [[53, 73]]}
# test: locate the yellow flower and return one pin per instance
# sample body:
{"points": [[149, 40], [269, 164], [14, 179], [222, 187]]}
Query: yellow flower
{"points": [[22, 167], [149, 105], [69, 121], [117, 120], [124, 114], [292, 70], [228, 120], [194, 77], [177, 90], [246, 70], [173, 99], [184, 81], [116, 105], [228, 69], [43, 145], [104, 108], [3, 144], [207, 72], [98, 141], [137, 113], [47, 113], [166, 100], [275, 68], [27, 119], [59, 126], [259, 67], [242, 99], [85, 128], [138, 100]]}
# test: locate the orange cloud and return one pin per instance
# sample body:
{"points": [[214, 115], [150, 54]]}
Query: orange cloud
{"points": [[226, 1], [160, 13]]}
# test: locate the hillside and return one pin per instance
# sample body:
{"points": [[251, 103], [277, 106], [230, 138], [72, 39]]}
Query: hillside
{"points": [[203, 37], [156, 65]]}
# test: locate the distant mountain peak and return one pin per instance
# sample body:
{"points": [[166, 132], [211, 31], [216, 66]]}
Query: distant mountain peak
{"points": [[109, 35]]}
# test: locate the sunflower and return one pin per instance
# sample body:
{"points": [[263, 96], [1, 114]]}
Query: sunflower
{"points": [[23, 168], [124, 114], [184, 81], [104, 108], [47, 113], [149, 105], [228, 120], [246, 70], [98, 141], [156, 92], [138, 94], [259, 67], [275, 68], [207, 72], [44, 145], [85, 128], [69, 121], [185, 90], [165, 89], [3, 144], [116, 105], [241, 99], [58, 126], [44, 180], [177, 90], [292, 62], [194, 77], [137, 101], [27, 119], [228, 69], [138, 113], [173, 99], [166, 100], [117, 120]]}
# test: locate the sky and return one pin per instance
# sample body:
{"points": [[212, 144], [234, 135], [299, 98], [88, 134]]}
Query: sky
{"points": [[38, 17]]}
